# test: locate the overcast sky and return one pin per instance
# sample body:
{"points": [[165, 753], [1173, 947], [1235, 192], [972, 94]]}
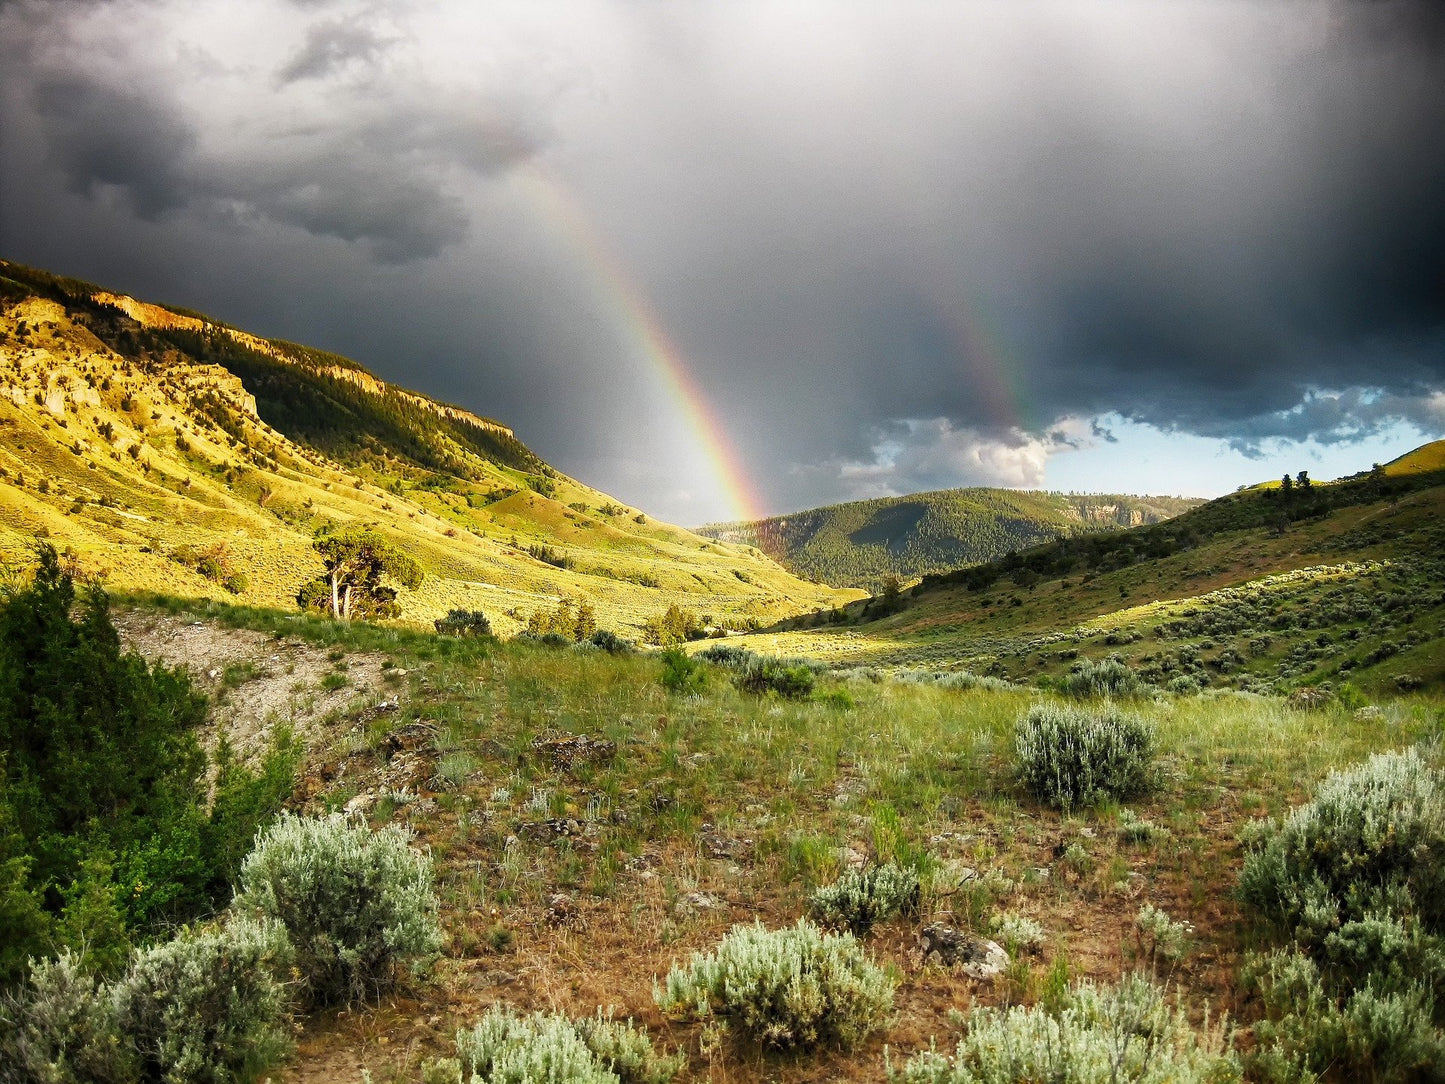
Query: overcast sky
{"points": [[1130, 246]]}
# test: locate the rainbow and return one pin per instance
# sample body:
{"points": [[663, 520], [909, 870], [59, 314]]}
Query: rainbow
{"points": [[638, 318]]}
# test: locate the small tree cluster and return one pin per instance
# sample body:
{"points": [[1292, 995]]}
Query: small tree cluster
{"points": [[575, 623], [357, 561], [674, 626]]}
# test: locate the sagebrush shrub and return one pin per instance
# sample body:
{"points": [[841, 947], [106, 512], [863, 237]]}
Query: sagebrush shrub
{"points": [[760, 674], [505, 1048], [60, 1027], [1108, 677], [859, 898], [1369, 847], [1071, 757], [1097, 1035], [795, 987], [207, 1007], [1312, 1026], [356, 903], [464, 623]]}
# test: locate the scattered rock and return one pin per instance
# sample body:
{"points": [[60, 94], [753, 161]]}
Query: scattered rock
{"points": [[570, 750], [548, 830], [1369, 714], [717, 845], [361, 803], [561, 910], [696, 902], [978, 957]]}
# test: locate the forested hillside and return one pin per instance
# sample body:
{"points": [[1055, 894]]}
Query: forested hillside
{"points": [[860, 543]]}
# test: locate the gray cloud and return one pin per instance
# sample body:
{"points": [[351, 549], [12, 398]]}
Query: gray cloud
{"points": [[330, 46], [997, 223]]}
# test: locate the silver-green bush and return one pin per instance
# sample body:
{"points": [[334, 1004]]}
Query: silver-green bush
{"points": [[356, 903], [1370, 845], [795, 987], [1071, 757], [207, 1008], [505, 1048], [859, 898], [1354, 884], [1098, 1035], [60, 1028], [1311, 1027]]}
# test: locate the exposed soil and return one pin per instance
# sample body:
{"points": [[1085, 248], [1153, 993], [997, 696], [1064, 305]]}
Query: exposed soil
{"points": [[256, 681]]}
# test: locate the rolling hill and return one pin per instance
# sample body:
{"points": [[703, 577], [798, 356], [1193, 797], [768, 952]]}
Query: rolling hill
{"points": [[170, 452], [860, 543], [1265, 590]]}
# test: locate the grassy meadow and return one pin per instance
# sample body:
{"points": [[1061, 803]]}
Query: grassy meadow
{"points": [[573, 873]]}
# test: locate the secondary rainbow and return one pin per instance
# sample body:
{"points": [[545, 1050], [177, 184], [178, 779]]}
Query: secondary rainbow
{"points": [[643, 326]]}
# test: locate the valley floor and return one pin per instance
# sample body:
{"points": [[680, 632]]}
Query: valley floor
{"points": [[591, 828]]}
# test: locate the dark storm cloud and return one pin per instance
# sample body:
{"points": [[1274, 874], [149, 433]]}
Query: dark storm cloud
{"points": [[126, 140], [899, 245]]}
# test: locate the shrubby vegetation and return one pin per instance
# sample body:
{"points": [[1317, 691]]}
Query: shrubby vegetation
{"points": [[1069, 757], [357, 904], [505, 1048], [464, 623], [1108, 677], [795, 987], [105, 834], [1094, 1035], [213, 1005], [1353, 885], [861, 898], [207, 1007], [789, 678]]}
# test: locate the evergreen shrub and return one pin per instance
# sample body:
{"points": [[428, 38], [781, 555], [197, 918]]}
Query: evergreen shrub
{"points": [[1071, 757], [860, 898], [761, 675], [464, 623], [798, 987], [1096, 1035], [356, 903]]}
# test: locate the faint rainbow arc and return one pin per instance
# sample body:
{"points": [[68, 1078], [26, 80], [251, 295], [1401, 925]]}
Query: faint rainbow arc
{"points": [[642, 323]]}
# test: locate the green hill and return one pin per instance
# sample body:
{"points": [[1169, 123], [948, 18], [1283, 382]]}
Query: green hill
{"points": [[170, 452], [1265, 589], [860, 543]]}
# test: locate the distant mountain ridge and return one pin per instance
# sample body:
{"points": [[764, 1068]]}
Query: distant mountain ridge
{"points": [[860, 543], [163, 448], [1323, 590]]}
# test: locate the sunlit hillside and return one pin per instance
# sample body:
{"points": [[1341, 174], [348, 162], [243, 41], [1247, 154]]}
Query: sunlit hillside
{"points": [[1266, 589], [168, 452]]}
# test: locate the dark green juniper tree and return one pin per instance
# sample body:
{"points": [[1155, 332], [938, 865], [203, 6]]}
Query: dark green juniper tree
{"points": [[105, 832]]}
